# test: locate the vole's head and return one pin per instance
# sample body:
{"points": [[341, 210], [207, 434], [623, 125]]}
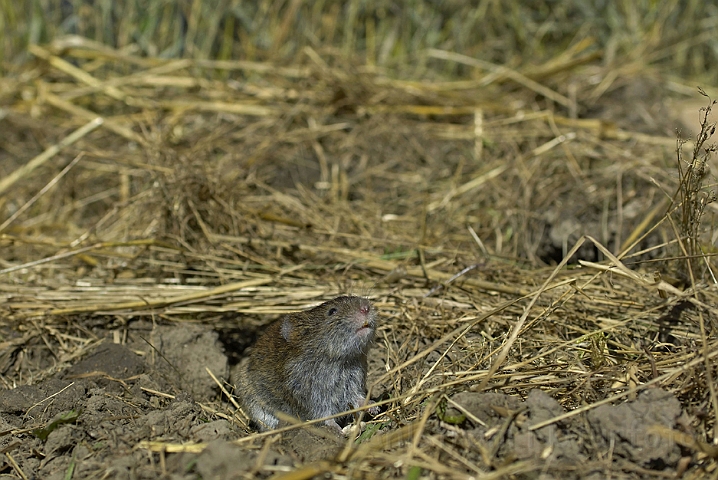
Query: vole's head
{"points": [[343, 327]]}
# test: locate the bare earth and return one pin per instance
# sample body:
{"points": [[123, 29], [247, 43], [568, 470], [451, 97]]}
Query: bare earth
{"points": [[113, 388]]}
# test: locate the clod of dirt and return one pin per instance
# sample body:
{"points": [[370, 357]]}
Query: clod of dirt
{"points": [[553, 440], [37, 401], [107, 366], [112, 359], [542, 407], [520, 442], [184, 354], [222, 459], [309, 446], [216, 430], [62, 440], [485, 406], [624, 428], [178, 419], [628, 425]]}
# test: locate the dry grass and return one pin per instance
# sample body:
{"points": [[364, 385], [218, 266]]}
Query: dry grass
{"points": [[225, 191]]}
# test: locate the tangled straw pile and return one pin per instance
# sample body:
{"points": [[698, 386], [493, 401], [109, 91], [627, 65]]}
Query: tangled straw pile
{"points": [[226, 192]]}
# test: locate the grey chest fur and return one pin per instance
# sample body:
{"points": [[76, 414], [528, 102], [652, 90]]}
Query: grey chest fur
{"points": [[325, 388]]}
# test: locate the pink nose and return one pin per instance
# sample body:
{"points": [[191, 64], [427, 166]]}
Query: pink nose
{"points": [[364, 309]]}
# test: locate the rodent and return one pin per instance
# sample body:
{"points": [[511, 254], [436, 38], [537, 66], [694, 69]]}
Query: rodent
{"points": [[309, 364]]}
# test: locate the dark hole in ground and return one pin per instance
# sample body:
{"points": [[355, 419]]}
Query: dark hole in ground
{"points": [[235, 340]]}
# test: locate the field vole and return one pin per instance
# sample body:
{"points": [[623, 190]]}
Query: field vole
{"points": [[309, 364]]}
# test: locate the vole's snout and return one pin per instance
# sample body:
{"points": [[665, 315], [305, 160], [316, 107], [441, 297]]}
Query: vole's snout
{"points": [[365, 317]]}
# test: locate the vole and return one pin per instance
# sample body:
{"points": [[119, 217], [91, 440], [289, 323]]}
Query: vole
{"points": [[309, 364]]}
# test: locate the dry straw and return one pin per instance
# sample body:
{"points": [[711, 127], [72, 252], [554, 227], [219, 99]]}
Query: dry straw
{"points": [[230, 191]]}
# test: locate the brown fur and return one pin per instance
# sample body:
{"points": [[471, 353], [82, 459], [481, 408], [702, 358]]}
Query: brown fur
{"points": [[309, 364]]}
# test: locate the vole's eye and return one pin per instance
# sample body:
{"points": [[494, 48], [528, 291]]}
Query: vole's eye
{"points": [[332, 311]]}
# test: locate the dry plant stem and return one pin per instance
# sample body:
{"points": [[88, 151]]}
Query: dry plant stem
{"points": [[638, 233], [619, 212], [561, 346], [50, 152], [78, 252], [402, 434], [500, 435], [499, 71], [73, 71], [478, 241], [467, 413], [701, 322], [80, 112], [467, 187], [451, 452], [159, 394], [685, 440], [420, 426], [134, 78], [306, 472], [459, 330], [453, 277], [39, 194], [221, 387], [694, 199], [237, 108], [519, 324], [660, 285], [709, 375], [381, 442], [164, 301], [15, 466], [373, 262], [159, 446], [262, 455], [47, 398], [670, 374], [692, 193]]}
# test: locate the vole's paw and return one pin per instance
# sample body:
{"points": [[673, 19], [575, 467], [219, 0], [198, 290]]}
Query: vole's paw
{"points": [[373, 411]]}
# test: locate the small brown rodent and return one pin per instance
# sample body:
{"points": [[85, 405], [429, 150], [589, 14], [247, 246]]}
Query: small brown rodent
{"points": [[309, 364]]}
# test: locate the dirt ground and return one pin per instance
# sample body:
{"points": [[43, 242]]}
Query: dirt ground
{"points": [[97, 412]]}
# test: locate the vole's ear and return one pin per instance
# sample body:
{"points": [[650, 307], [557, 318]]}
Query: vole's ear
{"points": [[287, 329]]}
